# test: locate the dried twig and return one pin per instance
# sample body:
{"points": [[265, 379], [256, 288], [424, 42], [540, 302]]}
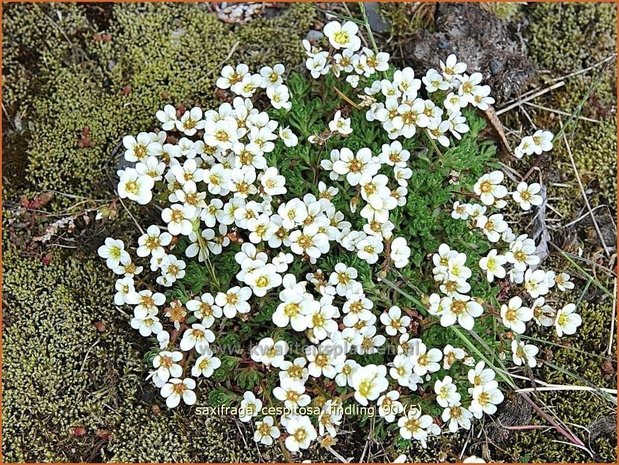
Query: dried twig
{"points": [[530, 97]]}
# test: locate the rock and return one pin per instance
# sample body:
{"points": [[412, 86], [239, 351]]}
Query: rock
{"points": [[478, 38], [377, 22]]}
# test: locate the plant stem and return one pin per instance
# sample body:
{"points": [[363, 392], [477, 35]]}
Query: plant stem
{"points": [[368, 28]]}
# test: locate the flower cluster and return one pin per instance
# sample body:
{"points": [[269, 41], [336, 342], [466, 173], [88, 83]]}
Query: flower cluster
{"points": [[514, 260], [223, 200]]}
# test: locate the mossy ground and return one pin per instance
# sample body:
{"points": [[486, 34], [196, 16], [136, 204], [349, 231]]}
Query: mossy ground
{"points": [[62, 75]]}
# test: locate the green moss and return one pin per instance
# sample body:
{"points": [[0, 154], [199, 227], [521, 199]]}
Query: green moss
{"points": [[59, 371], [507, 11], [566, 38], [407, 19]]}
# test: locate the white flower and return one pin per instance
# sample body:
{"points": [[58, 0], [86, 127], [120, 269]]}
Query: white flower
{"points": [[515, 316], [457, 416], [402, 175], [426, 361], [489, 187], [280, 97], [204, 308], [371, 62], [318, 64], [455, 102], [480, 375], [543, 314], [179, 218], [197, 337], [152, 242], [451, 68], [294, 371], [113, 250], [415, 425], [151, 167], [222, 133], [272, 182], [406, 82], [324, 359], [230, 75], [353, 80], [535, 283], [288, 137], [167, 116], [321, 319], [248, 85], [389, 406], [329, 417], [263, 279], [340, 125], [165, 363], [433, 80], [301, 433], [492, 264], [369, 382], [205, 365], [394, 155], [269, 352], [250, 407], [562, 280], [234, 301], [272, 77], [480, 97], [485, 399], [526, 195], [125, 291], [292, 394], [567, 321], [345, 372], [394, 321], [147, 325], [343, 36], [358, 168], [451, 355], [342, 278], [147, 303], [524, 353], [400, 252], [369, 248], [460, 308], [171, 269], [178, 389], [542, 141], [265, 431], [309, 242], [522, 253], [492, 226], [135, 186], [137, 148], [190, 122], [446, 392]]}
